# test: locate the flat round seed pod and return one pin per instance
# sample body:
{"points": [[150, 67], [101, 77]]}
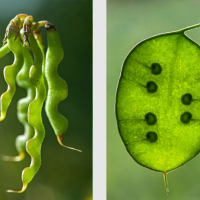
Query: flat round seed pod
{"points": [[157, 77]]}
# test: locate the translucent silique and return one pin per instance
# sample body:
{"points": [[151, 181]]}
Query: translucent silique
{"points": [[157, 101]]}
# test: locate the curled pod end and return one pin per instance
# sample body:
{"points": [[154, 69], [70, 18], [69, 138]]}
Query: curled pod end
{"points": [[59, 137], [14, 158], [3, 116], [22, 190]]}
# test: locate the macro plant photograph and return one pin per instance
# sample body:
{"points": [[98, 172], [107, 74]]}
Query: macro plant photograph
{"points": [[153, 74], [46, 100]]}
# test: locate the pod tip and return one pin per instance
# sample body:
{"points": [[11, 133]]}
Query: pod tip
{"points": [[59, 137], [3, 116], [166, 183], [22, 190], [14, 158]]}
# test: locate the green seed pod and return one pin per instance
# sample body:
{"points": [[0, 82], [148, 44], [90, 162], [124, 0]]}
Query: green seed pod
{"points": [[22, 107], [33, 146], [158, 81], [57, 87], [10, 72], [38, 36]]}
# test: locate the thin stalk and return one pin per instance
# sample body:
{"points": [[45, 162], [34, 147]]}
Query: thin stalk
{"points": [[166, 183]]}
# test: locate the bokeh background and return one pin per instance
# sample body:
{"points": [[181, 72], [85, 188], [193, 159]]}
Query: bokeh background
{"points": [[64, 174], [129, 22]]}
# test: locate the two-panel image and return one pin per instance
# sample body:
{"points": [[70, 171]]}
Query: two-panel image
{"points": [[47, 60]]}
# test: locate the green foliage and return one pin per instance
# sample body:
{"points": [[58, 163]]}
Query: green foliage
{"points": [[157, 101]]}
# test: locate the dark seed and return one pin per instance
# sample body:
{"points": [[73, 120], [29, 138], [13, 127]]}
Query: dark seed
{"points": [[151, 136], [186, 117], [151, 87], [156, 69], [186, 99], [150, 118]]}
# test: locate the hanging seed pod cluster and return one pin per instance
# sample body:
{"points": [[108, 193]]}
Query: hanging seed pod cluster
{"points": [[38, 75], [157, 101]]}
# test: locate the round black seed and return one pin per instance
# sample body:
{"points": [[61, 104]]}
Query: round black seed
{"points": [[186, 117], [151, 87], [186, 99], [150, 118], [151, 136], [156, 69]]}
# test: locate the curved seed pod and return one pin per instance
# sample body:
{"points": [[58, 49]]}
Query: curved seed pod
{"points": [[57, 87], [38, 36], [22, 107], [4, 50], [156, 111], [10, 72], [33, 146]]}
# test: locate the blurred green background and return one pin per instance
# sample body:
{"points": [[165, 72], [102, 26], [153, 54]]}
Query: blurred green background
{"points": [[64, 174], [129, 22]]}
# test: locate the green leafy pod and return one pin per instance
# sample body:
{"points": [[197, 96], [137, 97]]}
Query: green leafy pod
{"points": [[22, 107], [4, 50], [157, 107], [57, 87], [10, 72]]}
